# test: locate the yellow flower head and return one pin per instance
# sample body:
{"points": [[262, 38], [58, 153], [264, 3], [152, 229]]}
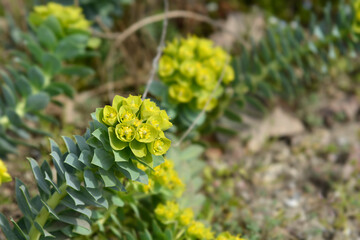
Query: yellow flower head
{"points": [[126, 114], [148, 187], [4, 175], [109, 115], [148, 109], [167, 66], [146, 133], [229, 75], [206, 78], [180, 93], [167, 177], [133, 101], [186, 217], [160, 146], [186, 52], [188, 68], [201, 101], [125, 132], [198, 230], [70, 17], [167, 212], [159, 121], [205, 48]]}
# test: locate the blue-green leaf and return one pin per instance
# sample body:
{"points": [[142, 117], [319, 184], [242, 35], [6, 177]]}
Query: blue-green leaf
{"points": [[103, 159]]}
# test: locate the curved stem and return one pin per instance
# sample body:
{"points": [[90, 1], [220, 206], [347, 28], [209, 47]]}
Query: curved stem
{"points": [[43, 215]]}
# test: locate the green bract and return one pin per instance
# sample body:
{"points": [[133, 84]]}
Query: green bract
{"points": [[192, 66], [148, 109], [137, 125]]}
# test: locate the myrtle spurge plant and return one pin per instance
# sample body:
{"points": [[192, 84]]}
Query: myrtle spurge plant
{"points": [[4, 175], [191, 68], [70, 18], [90, 172], [189, 71]]}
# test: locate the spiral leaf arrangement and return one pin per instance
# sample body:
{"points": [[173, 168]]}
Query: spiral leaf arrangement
{"points": [[88, 174]]}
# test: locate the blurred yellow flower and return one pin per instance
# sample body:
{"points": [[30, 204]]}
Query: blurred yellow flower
{"points": [[198, 69], [70, 17], [186, 217], [228, 236], [4, 175], [198, 230], [167, 212]]}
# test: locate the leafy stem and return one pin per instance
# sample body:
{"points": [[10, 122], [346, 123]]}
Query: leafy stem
{"points": [[43, 215]]}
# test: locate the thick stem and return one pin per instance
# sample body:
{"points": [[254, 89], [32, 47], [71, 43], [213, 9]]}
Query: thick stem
{"points": [[43, 215]]}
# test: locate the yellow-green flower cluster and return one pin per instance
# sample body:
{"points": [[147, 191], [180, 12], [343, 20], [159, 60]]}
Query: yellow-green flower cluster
{"points": [[198, 230], [136, 124], [170, 212], [70, 17], [163, 176], [191, 68], [228, 236], [4, 175], [167, 212], [356, 23]]}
